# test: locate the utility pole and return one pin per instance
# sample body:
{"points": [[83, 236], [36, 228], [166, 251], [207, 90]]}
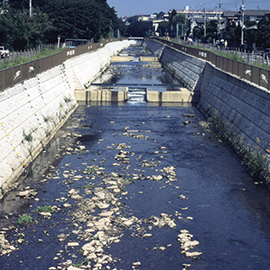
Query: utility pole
{"points": [[30, 8], [219, 11], [242, 8], [192, 26], [204, 21]]}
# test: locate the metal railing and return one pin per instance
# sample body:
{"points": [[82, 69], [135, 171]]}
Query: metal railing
{"points": [[253, 74], [17, 74]]}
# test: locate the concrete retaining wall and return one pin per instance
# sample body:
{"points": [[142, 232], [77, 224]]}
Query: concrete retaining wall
{"points": [[244, 106], [31, 112]]}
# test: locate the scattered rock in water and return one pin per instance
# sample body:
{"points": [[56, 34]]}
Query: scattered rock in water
{"points": [[27, 193], [163, 221], [186, 123], [74, 194], [157, 177], [193, 254], [185, 239], [136, 264], [5, 246], [186, 265], [71, 268], [146, 235], [45, 214], [73, 244]]}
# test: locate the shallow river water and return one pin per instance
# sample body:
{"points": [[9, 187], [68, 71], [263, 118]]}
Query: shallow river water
{"points": [[219, 203]]}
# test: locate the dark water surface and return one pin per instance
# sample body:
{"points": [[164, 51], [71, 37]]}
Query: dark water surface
{"points": [[231, 215]]}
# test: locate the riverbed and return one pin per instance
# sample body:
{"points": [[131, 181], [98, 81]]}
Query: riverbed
{"points": [[167, 169]]}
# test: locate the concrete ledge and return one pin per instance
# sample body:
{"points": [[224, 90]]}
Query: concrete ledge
{"points": [[102, 95], [184, 96], [148, 59], [121, 58]]}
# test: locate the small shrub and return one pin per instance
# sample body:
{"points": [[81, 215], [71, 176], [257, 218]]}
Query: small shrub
{"points": [[131, 180], [47, 209], [28, 137], [25, 219], [67, 99], [88, 186]]}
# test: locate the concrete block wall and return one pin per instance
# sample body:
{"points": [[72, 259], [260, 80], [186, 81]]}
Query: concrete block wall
{"points": [[155, 47], [187, 70], [31, 112], [243, 105]]}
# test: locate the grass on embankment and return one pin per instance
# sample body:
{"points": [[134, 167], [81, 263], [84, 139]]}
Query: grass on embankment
{"points": [[24, 59], [229, 55]]}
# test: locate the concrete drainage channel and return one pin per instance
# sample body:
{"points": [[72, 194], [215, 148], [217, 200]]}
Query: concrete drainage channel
{"points": [[136, 186]]}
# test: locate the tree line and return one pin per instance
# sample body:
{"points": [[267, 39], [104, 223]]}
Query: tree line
{"points": [[78, 19], [95, 19]]}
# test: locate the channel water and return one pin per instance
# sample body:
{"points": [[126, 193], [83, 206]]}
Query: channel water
{"points": [[137, 186]]}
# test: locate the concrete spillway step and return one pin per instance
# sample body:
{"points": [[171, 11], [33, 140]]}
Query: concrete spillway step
{"points": [[136, 94]]}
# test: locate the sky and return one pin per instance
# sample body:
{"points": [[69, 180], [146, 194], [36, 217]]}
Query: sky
{"points": [[145, 7]]}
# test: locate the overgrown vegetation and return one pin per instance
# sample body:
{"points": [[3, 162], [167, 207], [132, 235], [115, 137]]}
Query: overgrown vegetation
{"points": [[252, 157]]}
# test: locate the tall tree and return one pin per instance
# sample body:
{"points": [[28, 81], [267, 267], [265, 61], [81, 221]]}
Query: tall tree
{"points": [[139, 29], [85, 19], [19, 31], [262, 36]]}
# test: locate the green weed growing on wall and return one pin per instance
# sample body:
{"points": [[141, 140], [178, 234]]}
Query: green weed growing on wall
{"points": [[252, 157]]}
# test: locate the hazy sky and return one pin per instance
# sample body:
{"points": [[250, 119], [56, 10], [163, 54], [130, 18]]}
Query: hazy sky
{"points": [[137, 7]]}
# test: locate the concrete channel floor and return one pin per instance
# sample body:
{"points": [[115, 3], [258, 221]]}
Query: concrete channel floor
{"points": [[134, 187]]}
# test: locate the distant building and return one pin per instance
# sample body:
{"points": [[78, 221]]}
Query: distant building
{"points": [[199, 14], [147, 18], [234, 17]]}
